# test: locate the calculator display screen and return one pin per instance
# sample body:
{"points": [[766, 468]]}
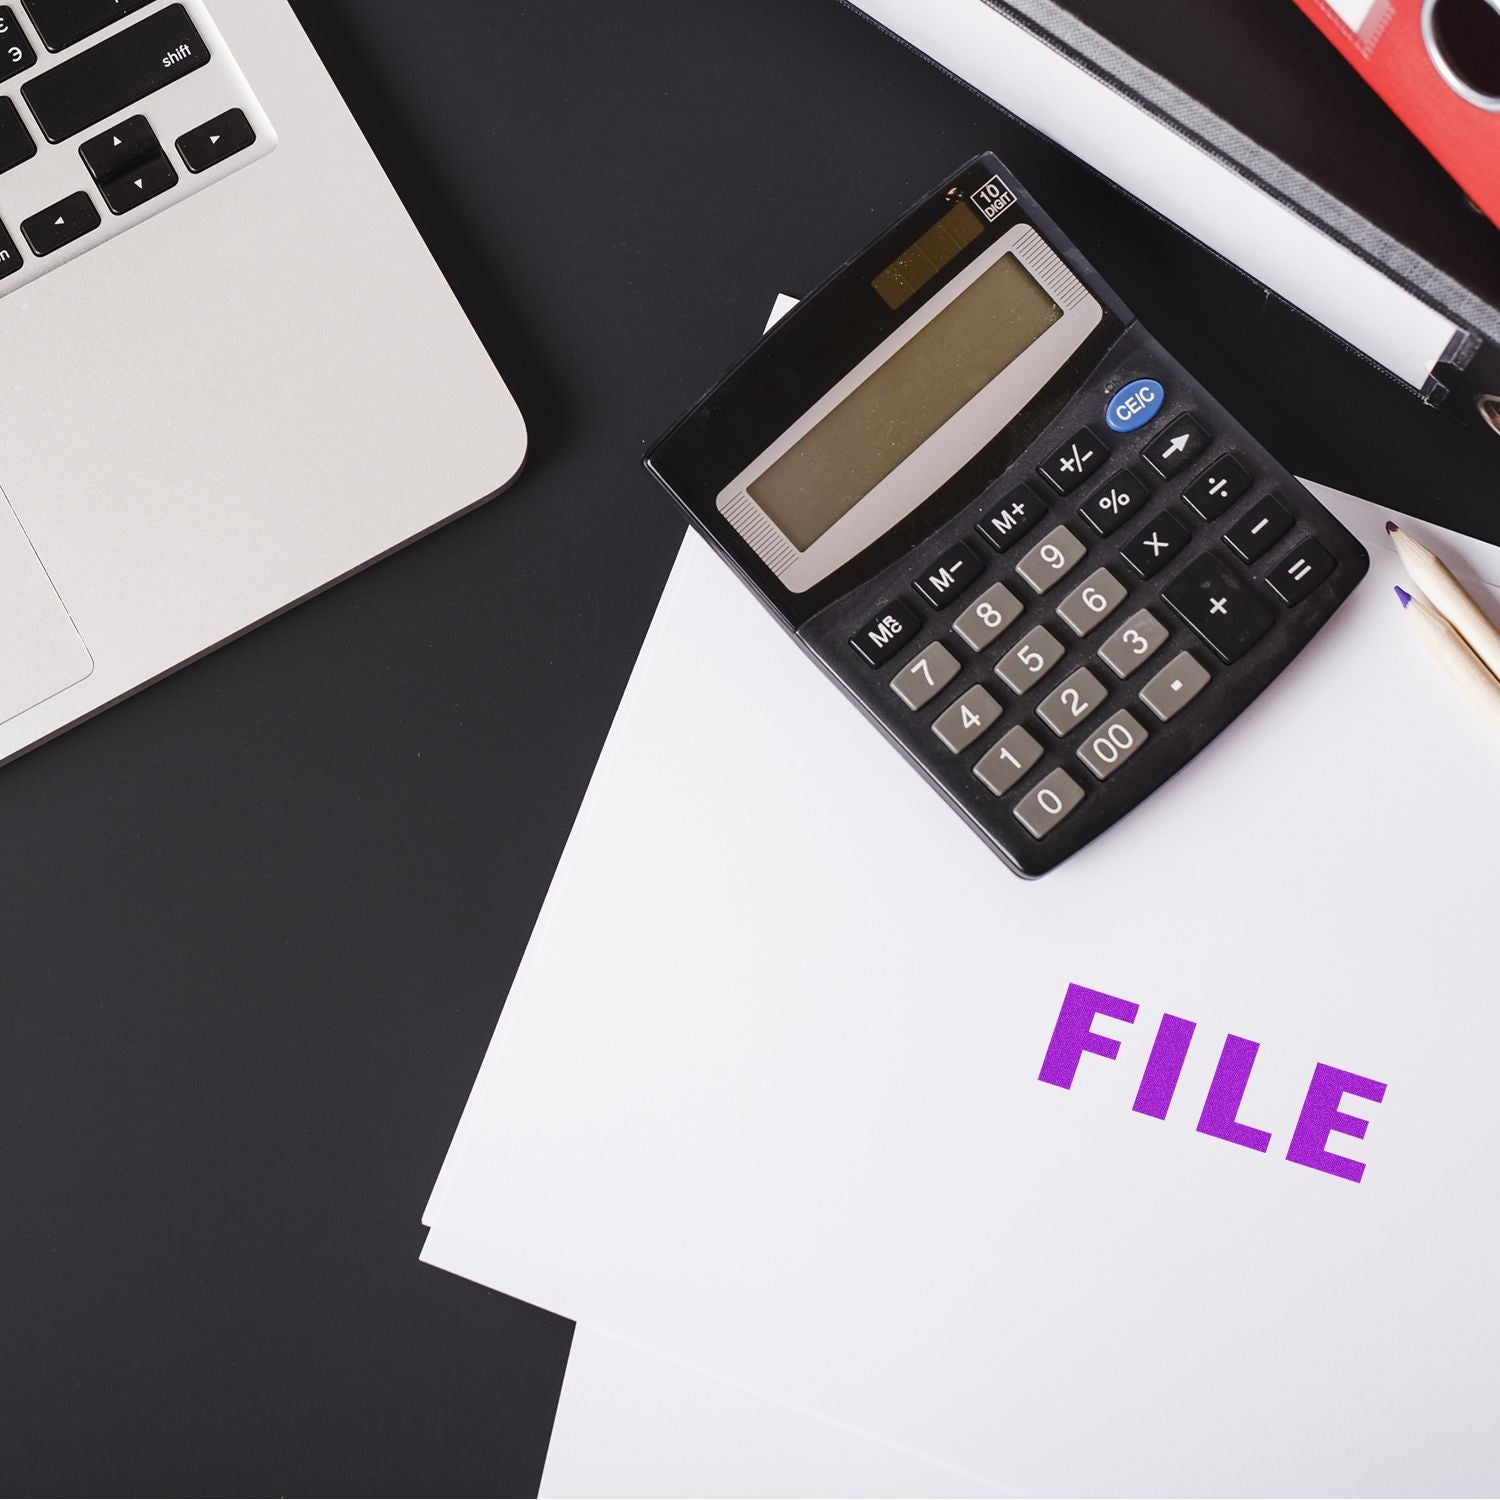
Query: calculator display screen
{"points": [[904, 401]]}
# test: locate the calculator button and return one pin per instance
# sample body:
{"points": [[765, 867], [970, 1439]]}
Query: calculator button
{"points": [[1214, 491], [1134, 643], [1009, 521], [1219, 607], [886, 634], [1263, 525], [1300, 572], [1052, 559], [958, 727], [1157, 545], [1007, 761], [949, 576], [1074, 461], [1029, 660], [988, 617], [1175, 446], [1112, 744], [1092, 602], [1175, 686], [1067, 707], [1048, 803], [925, 675], [1133, 405], [1114, 505]]}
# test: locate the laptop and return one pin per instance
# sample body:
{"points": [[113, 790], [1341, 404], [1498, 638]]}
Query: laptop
{"points": [[230, 372]]}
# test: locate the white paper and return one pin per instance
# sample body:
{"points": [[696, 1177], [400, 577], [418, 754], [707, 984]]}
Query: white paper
{"points": [[631, 1423], [765, 1096], [1176, 177]]}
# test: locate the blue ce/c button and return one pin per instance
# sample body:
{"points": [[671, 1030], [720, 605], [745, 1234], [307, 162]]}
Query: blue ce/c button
{"points": [[1134, 405]]}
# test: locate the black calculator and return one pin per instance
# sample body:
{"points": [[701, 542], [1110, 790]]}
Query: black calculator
{"points": [[1031, 547]]}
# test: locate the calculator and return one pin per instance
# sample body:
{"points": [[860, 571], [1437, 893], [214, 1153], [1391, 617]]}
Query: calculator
{"points": [[1036, 552]]}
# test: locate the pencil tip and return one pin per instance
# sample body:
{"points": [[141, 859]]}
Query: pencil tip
{"points": [[1403, 596], [1391, 526]]}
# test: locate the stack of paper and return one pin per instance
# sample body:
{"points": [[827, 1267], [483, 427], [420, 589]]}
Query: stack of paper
{"points": [[766, 1095]]}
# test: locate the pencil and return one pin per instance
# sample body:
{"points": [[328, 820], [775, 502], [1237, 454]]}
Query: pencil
{"points": [[1452, 653], [1449, 597]]}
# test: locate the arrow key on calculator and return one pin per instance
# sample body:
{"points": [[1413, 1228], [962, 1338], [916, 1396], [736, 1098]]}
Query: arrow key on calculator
{"points": [[1175, 446]]}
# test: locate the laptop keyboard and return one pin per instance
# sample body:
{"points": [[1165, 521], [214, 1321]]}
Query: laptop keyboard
{"points": [[110, 110]]}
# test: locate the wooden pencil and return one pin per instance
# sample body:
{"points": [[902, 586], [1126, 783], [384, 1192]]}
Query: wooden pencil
{"points": [[1449, 597], [1452, 653]]}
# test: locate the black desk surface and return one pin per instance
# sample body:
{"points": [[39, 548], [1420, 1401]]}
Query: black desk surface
{"points": [[259, 921]]}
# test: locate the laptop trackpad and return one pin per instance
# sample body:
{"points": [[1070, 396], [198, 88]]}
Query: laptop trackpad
{"points": [[40, 651]]}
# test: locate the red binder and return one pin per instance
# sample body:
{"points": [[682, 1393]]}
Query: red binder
{"points": [[1437, 64]]}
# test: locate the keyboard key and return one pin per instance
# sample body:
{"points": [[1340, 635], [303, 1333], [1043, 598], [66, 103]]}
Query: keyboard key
{"points": [[881, 638], [1009, 521], [925, 676], [1092, 602], [988, 617], [1175, 686], [1066, 708], [1112, 744], [1264, 524], [16, 144], [61, 224], [60, 23], [1134, 643], [1300, 572], [1175, 446], [222, 137], [139, 184], [16, 53], [1079, 457], [1029, 660], [116, 73], [959, 726], [1134, 405], [1219, 607], [1157, 545], [119, 148], [10, 257], [1007, 761], [1048, 803], [1117, 502], [1052, 559], [948, 577], [1214, 491]]}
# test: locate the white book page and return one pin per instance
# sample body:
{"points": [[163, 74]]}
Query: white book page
{"points": [[766, 1095]]}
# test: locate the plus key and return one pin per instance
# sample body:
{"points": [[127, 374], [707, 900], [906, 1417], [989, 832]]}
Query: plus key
{"points": [[1222, 609]]}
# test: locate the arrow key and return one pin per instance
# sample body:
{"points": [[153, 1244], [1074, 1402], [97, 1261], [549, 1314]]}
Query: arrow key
{"points": [[108, 154], [222, 137], [61, 224], [139, 184], [1175, 446]]}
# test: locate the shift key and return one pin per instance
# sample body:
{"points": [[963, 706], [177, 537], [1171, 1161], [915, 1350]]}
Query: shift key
{"points": [[115, 74]]}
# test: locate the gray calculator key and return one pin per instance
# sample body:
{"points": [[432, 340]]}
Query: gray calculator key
{"points": [[1112, 744], [959, 726], [1078, 697], [1029, 660], [1093, 601], [988, 617], [1052, 559], [1048, 803], [925, 675], [1007, 761], [1175, 686], [1134, 643]]}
